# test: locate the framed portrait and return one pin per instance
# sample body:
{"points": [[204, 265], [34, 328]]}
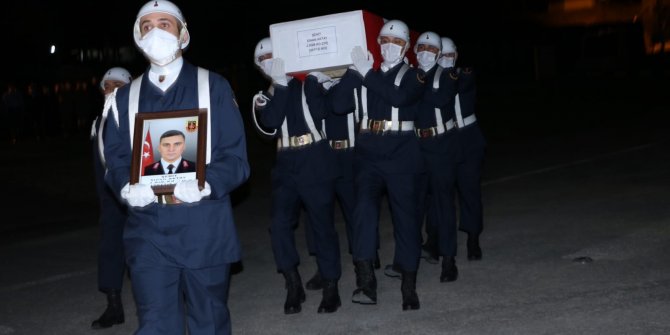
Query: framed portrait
{"points": [[169, 147]]}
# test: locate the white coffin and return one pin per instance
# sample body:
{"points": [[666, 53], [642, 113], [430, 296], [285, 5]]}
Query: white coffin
{"points": [[323, 43]]}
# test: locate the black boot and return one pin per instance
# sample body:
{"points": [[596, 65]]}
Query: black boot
{"points": [[113, 315], [366, 283], [331, 297], [295, 294], [449, 269], [410, 300], [315, 283], [474, 251]]}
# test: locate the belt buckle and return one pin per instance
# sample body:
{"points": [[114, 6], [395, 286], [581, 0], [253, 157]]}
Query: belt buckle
{"points": [[379, 126], [376, 126], [298, 141], [426, 132]]}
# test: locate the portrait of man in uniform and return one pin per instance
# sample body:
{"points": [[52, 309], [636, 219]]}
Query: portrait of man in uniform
{"points": [[177, 155], [171, 147]]}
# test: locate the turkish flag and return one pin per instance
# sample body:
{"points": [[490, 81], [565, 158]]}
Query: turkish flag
{"points": [[147, 152]]}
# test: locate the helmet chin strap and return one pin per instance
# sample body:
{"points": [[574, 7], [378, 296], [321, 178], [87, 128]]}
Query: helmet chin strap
{"points": [[184, 38]]}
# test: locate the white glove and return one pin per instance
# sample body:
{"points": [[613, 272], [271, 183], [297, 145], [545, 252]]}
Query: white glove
{"points": [[188, 191], [362, 63], [320, 76], [278, 74], [138, 195], [327, 85]]}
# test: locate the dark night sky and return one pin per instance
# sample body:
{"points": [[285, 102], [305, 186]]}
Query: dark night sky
{"points": [[498, 38], [216, 40]]}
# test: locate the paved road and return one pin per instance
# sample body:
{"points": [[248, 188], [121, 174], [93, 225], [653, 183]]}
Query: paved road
{"points": [[552, 194]]}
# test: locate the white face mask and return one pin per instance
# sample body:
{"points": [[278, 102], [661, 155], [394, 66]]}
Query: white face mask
{"points": [[391, 52], [159, 46], [446, 62], [426, 59], [266, 66]]}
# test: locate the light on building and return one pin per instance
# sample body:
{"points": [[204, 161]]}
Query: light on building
{"points": [[53, 49]]}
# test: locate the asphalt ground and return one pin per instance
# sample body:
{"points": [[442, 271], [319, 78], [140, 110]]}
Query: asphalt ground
{"points": [[575, 170]]}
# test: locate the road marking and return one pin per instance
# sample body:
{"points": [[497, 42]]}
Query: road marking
{"points": [[565, 165]]}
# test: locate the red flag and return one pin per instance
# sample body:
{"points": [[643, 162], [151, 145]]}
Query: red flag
{"points": [[147, 152]]}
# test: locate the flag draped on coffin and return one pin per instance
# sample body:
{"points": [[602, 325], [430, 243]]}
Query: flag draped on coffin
{"points": [[147, 152]]}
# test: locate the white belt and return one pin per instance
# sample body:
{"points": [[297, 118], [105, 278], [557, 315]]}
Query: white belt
{"points": [[469, 120], [435, 131], [382, 126], [296, 141]]}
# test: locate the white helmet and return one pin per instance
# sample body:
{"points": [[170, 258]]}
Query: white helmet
{"points": [[429, 38], [116, 73], [263, 47], [448, 45], [162, 6], [395, 28]]}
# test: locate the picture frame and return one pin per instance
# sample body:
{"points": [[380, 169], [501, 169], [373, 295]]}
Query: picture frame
{"points": [[159, 134]]}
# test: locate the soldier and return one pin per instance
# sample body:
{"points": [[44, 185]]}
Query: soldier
{"points": [[387, 158], [435, 129], [179, 254], [111, 262], [341, 133], [303, 176], [465, 159]]}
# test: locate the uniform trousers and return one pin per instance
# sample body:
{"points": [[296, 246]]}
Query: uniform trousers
{"points": [[427, 212], [344, 193], [462, 176], [111, 259], [371, 182], [289, 193], [159, 282]]}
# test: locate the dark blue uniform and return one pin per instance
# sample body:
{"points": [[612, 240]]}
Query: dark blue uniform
{"points": [[183, 249], [303, 175], [111, 259], [385, 160], [341, 133], [465, 156], [435, 129]]}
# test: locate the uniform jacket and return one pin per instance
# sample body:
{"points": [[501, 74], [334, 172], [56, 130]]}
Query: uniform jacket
{"points": [[310, 164], [437, 94], [469, 140], [156, 168], [200, 234], [393, 153]]}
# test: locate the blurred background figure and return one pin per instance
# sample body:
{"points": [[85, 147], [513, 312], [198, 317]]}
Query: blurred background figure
{"points": [[111, 262]]}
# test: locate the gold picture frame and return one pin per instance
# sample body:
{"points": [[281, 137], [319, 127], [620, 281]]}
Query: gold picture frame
{"points": [[147, 166]]}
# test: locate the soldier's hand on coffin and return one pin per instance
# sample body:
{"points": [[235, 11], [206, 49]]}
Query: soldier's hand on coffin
{"points": [[320, 76], [138, 195], [328, 84], [188, 191], [278, 73], [362, 61]]}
